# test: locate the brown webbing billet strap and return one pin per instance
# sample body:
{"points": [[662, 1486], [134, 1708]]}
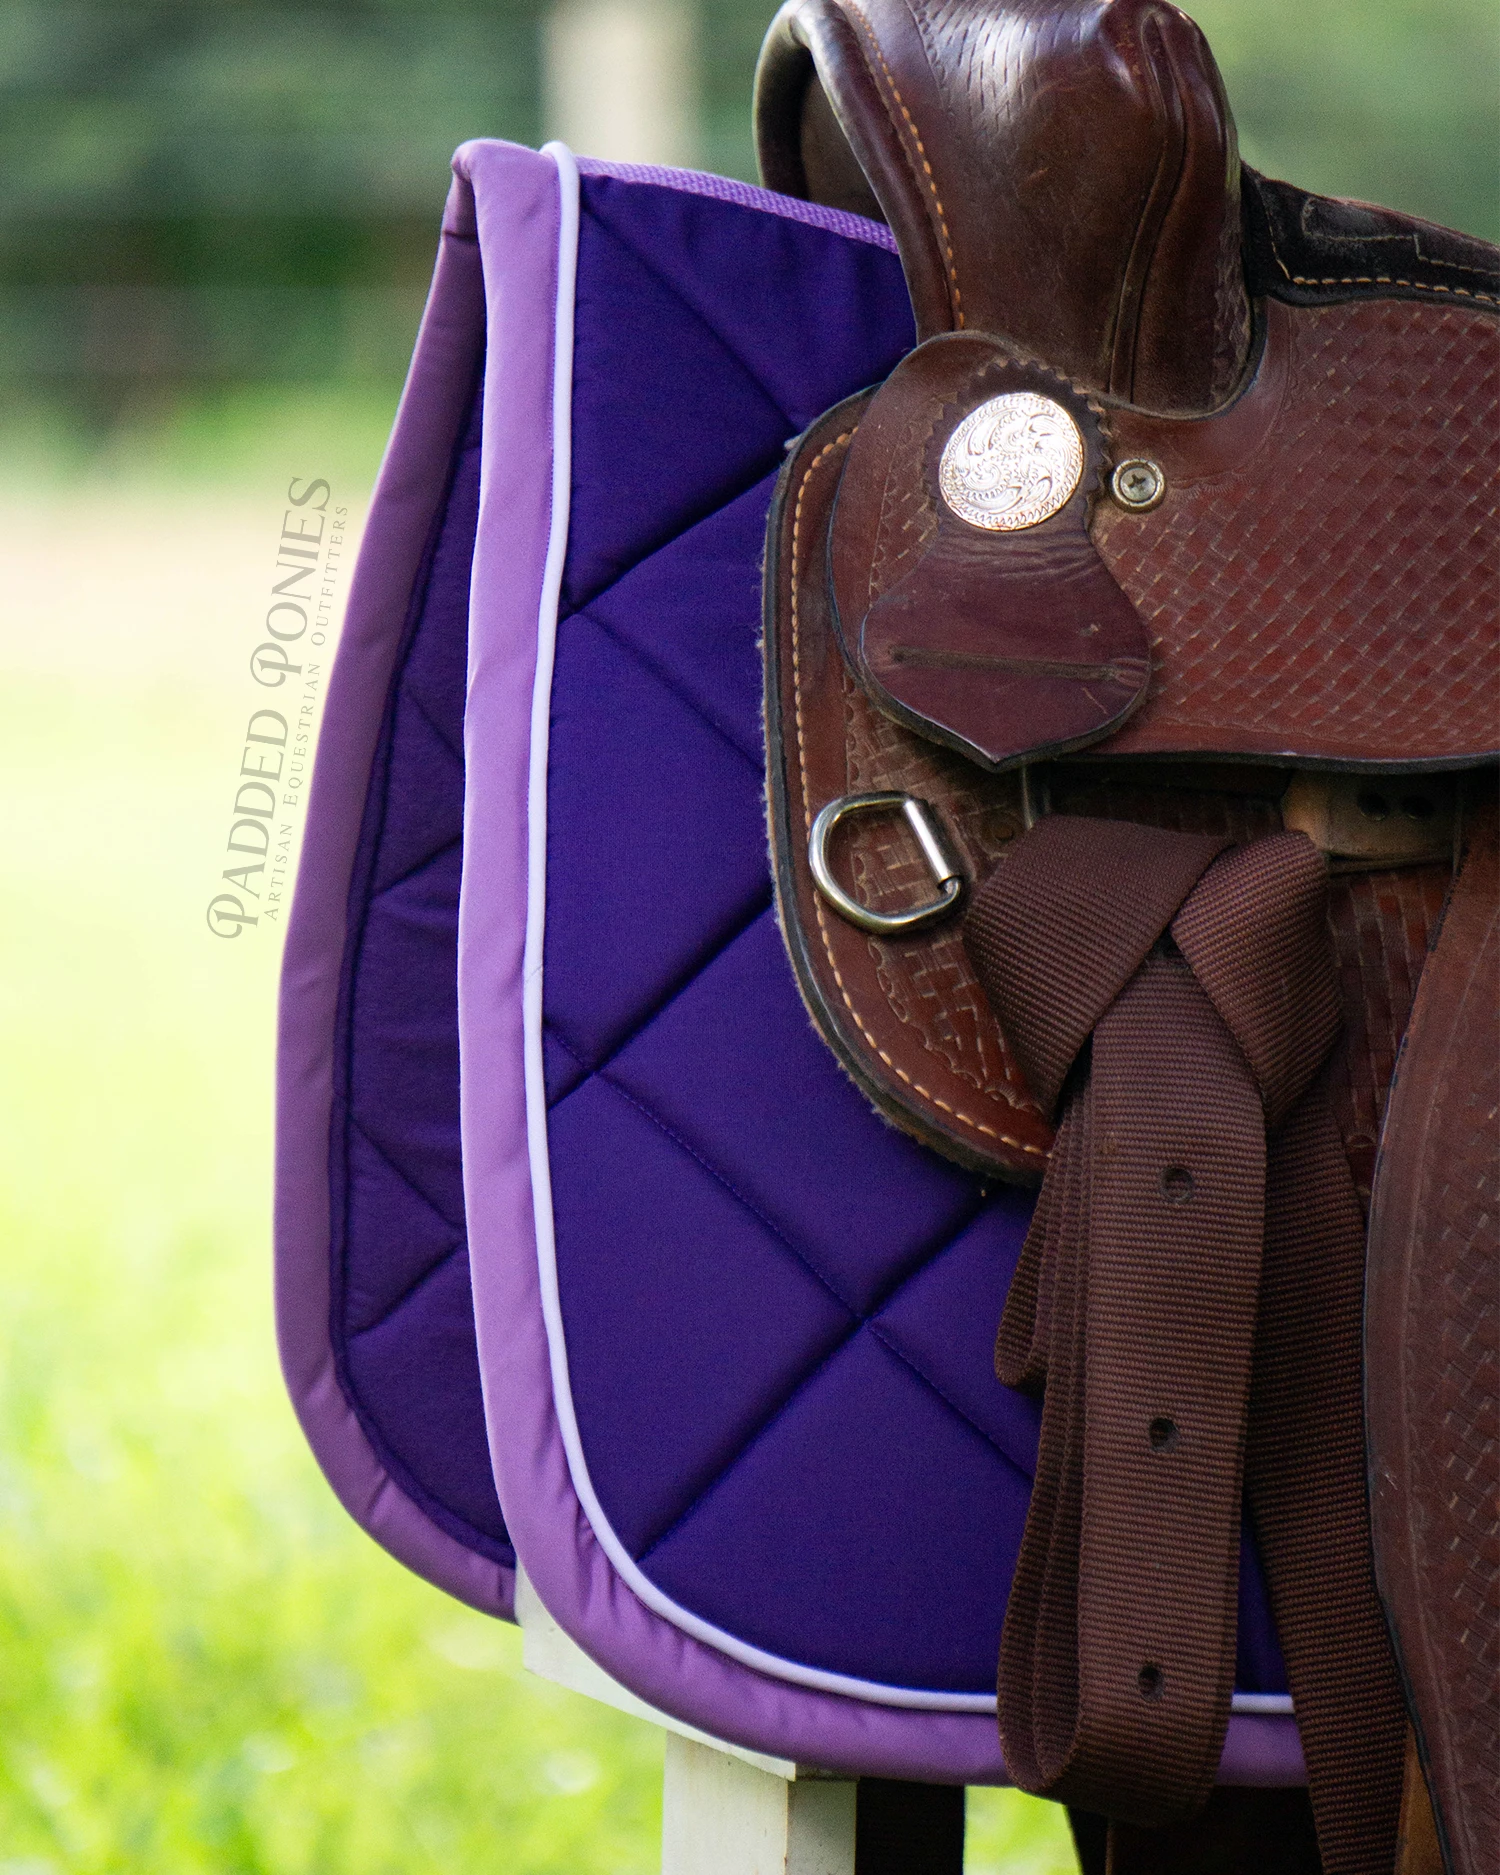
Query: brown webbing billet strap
{"points": [[1136, 1301], [1305, 1473]]}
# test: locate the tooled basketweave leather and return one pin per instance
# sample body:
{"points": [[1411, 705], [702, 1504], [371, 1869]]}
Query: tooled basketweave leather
{"points": [[1316, 586], [1208, 571]]}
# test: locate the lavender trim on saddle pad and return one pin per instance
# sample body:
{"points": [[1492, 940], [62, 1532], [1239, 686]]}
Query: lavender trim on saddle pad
{"points": [[745, 195]]}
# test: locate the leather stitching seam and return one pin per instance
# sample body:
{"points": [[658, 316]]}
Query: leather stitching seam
{"points": [[1377, 279], [857, 14], [924, 1093], [1385, 279]]}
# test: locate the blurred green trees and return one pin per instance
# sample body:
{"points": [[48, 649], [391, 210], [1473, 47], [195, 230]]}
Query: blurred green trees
{"points": [[228, 190], [1393, 101], [234, 191]]}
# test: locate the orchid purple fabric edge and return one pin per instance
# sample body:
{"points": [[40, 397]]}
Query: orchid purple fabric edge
{"points": [[407, 494], [746, 195]]}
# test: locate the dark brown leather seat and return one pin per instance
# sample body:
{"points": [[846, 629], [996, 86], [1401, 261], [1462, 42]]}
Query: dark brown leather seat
{"points": [[1156, 587]]}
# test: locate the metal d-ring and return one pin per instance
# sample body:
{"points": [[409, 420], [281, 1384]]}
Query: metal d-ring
{"points": [[929, 836]]}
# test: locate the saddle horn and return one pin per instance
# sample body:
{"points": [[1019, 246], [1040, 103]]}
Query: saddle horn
{"points": [[1060, 174]]}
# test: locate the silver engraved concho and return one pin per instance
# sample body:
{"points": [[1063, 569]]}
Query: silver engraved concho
{"points": [[1011, 463]]}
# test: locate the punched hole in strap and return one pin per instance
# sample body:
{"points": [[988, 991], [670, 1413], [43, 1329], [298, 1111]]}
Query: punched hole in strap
{"points": [[1176, 1184], [1152, 1681], [1161, 1434]]}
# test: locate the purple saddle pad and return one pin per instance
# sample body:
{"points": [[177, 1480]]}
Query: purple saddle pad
{"points": [[588, 1254]]}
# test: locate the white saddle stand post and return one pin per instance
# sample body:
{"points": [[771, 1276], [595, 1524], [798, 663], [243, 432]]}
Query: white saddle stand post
{"points": [[725, 1810]]}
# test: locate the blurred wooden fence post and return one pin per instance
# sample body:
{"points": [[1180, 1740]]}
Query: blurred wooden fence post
{"points": [[621, 79], [721, 1816], [725, 1810], [730, 1811]]}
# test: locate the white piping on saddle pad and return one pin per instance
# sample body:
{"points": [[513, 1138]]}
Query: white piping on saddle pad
{"points": [[624, 1564]]}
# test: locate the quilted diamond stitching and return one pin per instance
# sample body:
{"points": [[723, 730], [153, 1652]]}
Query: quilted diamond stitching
{"points": [[657, 673], [671, 287], [942, 1393], [409, 1294], [596, 993], [573, 608], [415, 871], [721, 1177], [405, 1178], [653, 668], [409, 696], [405, 694], [797, 1385], [375, 830], [657, 1008], [761, 472], [733, 352], [796, 1382], [907, 1272]]}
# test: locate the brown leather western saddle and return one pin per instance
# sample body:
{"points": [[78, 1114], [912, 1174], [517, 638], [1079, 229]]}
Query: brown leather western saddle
{"points": [[1132, 698]]}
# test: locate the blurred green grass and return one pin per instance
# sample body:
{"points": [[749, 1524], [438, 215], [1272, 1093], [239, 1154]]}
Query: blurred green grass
{"points": [[235, 437], [205, 1668]]}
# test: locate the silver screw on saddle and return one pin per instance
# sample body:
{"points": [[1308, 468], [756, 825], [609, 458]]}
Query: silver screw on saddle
{"points": [[1138, 484]]}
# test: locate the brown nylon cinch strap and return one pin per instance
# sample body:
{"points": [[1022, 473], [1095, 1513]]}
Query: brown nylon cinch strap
{"points": [[1205, 979]]}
